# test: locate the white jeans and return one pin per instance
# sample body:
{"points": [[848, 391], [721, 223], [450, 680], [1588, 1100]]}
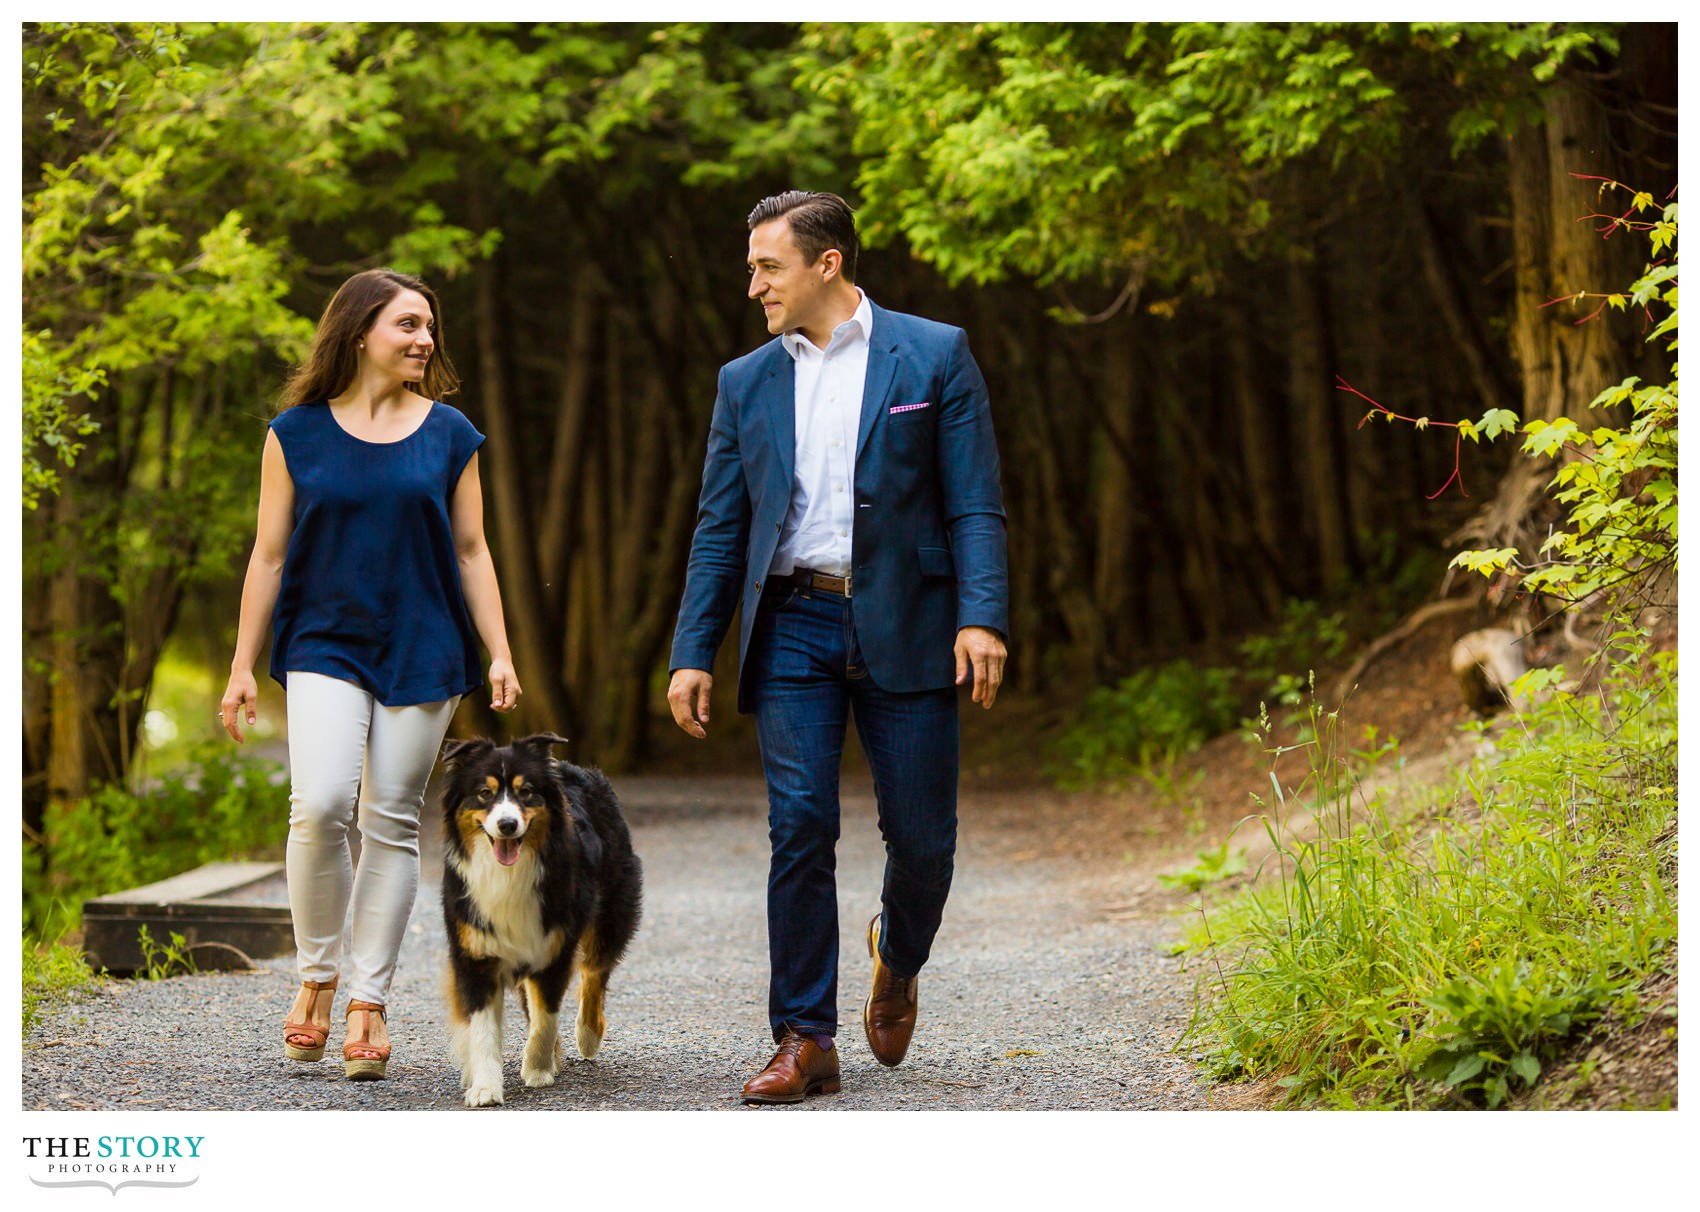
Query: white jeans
{"points": [[347, 749]]}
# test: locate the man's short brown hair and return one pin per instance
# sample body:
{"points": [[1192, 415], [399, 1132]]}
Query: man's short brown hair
{"points": [[819, 221]]}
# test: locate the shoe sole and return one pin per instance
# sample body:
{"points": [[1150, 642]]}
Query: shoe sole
{"points": [[296, 1052], [831, 1085], [364, 1070]]}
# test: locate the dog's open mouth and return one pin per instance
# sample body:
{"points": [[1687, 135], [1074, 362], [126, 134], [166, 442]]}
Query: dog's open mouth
{"points": [[507, 850]]}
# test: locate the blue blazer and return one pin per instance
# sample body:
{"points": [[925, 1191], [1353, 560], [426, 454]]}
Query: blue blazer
{"points": [[927, 552]]}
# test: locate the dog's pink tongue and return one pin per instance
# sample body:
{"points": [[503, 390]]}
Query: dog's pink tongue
{"points": [[507, 851]]}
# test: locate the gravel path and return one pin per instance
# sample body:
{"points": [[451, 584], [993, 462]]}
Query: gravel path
{"points": [[1035, 999]]}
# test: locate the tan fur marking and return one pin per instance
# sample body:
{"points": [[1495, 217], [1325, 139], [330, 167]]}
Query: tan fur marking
{"points": [[592, 980], [475, 942], [592, 985], [457, 1020], [469, 822]]}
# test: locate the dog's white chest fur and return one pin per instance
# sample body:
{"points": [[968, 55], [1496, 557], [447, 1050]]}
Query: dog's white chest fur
{"points": [[508, 898]]}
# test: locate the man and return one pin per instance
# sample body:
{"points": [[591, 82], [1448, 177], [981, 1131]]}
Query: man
{"points": [[851, 506]]}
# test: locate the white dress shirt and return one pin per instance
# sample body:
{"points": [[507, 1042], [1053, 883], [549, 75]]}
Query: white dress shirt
{"points": [[828, 400]]}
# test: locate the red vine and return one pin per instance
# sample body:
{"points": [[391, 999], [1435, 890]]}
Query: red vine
{"points": [[1340, 384]]}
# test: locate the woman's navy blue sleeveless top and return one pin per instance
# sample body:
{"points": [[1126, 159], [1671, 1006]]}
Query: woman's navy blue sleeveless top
{"points": [[371, 587]]}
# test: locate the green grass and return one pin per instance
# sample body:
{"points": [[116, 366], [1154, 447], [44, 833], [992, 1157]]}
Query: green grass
{"points": [[53, 973], [167, 959], [1442, 956]]}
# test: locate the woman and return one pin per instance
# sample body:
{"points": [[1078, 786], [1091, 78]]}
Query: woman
{"points": [[371, 564]]}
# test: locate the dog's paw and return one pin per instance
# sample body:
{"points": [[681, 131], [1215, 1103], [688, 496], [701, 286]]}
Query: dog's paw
{"points": [[589, 1039], [592, 1025], [483, 1096], [542, 1061], [537, 1078]]}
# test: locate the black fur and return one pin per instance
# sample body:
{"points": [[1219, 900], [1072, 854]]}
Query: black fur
{"points": [[588, 886]]}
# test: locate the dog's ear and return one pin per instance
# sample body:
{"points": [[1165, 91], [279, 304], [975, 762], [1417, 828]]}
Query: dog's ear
{"points": [[539, 742], [458, 753]]}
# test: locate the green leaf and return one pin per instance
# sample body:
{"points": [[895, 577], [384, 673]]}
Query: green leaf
{"points": [[1487, 562], [1548, 438], [1525, 1066], [1467, 1067], [1497, 421]]}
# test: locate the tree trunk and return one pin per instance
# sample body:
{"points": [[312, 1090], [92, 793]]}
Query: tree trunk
{"points": [[1116, 563], [651, 459], [1457, 309], [1316, 410], [655, 598], [556, 513], [37, 699], [1557, 253], [148, 626], [634, 466], [85, 635], [1592, 355], [1260, 447], [1067, 581], [535, 644]]}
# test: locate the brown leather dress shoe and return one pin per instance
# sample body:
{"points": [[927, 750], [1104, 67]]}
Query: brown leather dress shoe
{"points": [[888, 1016], [800, 1068]]}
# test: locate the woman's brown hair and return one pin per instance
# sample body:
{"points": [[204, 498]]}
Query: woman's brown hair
{"points": [[334, 359]]}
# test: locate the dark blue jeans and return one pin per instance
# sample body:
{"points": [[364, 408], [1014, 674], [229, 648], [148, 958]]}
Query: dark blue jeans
{"points": [[807, 678]]}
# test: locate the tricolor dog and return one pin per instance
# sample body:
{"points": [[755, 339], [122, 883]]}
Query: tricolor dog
{"points": [[538, 878]]}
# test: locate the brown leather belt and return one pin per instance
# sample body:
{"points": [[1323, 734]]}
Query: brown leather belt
{"points": [[817, 582]]}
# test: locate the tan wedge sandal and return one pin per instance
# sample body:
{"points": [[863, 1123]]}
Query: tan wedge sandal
{"points": [[362, 1060], [307, 1028]]}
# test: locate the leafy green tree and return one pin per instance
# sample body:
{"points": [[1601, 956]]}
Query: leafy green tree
{"points": [[54, 424], [165, 166], [1095, 152], [192, 194], [1134, 161]]}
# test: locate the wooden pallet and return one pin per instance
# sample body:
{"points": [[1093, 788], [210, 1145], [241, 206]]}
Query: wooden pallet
{"points": [[218, 930]]}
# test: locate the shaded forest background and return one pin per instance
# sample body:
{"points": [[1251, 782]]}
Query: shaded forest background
{"points": [[1168, 245]]}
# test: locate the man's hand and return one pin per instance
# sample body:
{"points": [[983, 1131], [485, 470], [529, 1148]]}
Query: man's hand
{"points": [[688, 695], [980, 649]]}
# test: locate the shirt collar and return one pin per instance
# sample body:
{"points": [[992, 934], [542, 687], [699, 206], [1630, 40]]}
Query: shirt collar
{"points": [[796, 344]]}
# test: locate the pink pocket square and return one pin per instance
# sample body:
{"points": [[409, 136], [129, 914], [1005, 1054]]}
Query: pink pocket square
{"points": [[897, 408]]}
